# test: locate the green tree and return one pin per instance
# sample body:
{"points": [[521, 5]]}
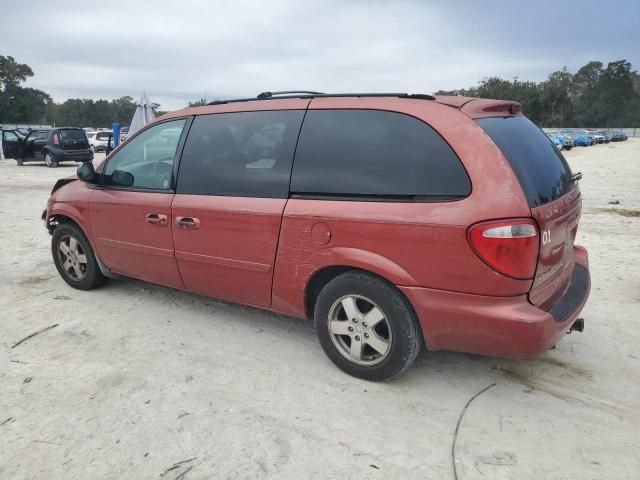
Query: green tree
{"points": [[585, 93], [19, 104], [198, 103], [556, 100], [13, 73], [616, 101], [592, 97]]}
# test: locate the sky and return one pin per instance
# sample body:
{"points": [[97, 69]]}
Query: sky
{"points": [[181, 50]]}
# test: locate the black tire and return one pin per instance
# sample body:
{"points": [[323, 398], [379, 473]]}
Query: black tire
{"points": [[19, 162], [404, 337], [92, 276], [49, 161]]}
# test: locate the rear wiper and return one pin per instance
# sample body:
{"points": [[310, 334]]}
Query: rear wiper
{"points": [[576, 176]]}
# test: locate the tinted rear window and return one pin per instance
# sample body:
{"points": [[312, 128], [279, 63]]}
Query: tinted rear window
{"points": [[541, 169], [73, 134], [375, 153]]}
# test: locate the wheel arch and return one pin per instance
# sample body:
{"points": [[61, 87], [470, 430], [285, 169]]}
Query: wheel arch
{"points": [[66, 214], [57, 218], [323, 276]]}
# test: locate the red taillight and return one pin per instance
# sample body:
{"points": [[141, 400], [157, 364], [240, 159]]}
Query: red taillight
{"points": [[509, 247]]}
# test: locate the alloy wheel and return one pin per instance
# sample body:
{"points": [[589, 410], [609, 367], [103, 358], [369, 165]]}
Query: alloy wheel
{"points": [[359, 330], [72, 258]]}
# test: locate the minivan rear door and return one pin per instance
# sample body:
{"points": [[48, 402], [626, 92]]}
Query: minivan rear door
{"points": [[553, 196]]}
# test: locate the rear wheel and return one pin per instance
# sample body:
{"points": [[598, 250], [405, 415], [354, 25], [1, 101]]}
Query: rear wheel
{"points": [[74, 258], [19, 162], [366, 327], [49, 161]]}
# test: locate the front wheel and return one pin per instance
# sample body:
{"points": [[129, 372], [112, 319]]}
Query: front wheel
{"points": [[49, 161], [366, 327], [74, 258]]}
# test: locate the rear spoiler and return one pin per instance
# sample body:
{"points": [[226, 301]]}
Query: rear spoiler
{"points": [[481, 107]]}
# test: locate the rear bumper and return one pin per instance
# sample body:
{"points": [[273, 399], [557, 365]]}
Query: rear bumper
{"points": [[73, 157], [499, 326]]}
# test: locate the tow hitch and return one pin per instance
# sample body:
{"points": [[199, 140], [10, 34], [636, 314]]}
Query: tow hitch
{"points": [[578, 326]]}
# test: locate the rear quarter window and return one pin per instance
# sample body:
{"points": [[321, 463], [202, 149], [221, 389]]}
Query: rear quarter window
{"points": [[375, 154], [542, 171]]}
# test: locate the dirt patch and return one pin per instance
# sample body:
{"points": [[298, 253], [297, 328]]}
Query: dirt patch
{"points": [[529, 381], [621, 211], [575, 370], [34, 280]]}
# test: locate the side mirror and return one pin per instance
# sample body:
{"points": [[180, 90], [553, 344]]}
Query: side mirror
{"points": [[122, 178], [86, 173]]}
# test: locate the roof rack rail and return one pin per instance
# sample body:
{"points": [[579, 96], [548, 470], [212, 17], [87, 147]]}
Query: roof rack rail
{"points": [[265, 95], [309, 94]]}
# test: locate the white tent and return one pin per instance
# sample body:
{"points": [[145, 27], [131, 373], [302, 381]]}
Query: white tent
{"points": [[144, 114]]}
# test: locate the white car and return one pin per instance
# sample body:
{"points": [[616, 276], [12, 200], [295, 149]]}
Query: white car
{"points": [[98, 140]]}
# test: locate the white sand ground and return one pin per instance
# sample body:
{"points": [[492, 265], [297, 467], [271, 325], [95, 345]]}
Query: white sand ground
{"points": [[138, 377]]}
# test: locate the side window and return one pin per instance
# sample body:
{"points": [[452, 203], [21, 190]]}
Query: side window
{"points": [[146, 161], [9, 136], [375, 153], [37, 135], [245, 154]]}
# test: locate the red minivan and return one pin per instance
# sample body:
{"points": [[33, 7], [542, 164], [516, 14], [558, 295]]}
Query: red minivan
{"points": [[391, 220]]}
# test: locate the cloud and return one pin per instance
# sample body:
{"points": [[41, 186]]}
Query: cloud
{"points": [[181, 50]]}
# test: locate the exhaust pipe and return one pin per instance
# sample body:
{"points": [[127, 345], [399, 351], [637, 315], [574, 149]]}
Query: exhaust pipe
{"points": [[578, 325]]}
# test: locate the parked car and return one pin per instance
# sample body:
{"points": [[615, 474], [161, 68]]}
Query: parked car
{"points": [[356, 211], [556, 140], [618, 136], [580, 139], [597, 136], [606, 135], [49, 145], [567, 141], [98, 140], [561, 140], [124, 132]]}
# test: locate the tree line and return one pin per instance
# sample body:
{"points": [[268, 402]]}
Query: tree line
{"points": [[19, 104], [594, 96]]}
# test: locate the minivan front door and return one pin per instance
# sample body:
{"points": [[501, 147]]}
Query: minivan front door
{"points": [[10, 144], [130, 211], [233, 185]]}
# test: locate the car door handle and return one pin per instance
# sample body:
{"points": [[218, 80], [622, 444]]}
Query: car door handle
{"points": [[157, 219], [188, 223]]}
